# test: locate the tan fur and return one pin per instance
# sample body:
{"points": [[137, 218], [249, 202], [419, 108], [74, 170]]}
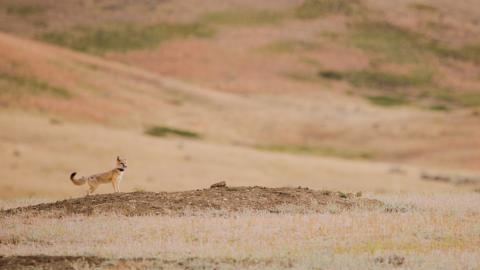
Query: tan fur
{"points": [[113, 176]]}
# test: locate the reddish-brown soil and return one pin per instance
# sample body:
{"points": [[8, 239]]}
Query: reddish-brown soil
{"points": [[230, 199]]}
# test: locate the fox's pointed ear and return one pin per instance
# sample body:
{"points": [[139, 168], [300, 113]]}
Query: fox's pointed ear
{"points": [[118, 158]]}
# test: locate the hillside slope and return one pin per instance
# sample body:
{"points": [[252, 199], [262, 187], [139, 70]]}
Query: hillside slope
{"points": [[393, 82], [46, 136]]}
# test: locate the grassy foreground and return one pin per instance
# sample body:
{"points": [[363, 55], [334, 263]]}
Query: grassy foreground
{"points": [[412, 232]]}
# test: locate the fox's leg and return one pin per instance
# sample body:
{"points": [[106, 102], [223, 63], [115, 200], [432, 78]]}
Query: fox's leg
{"points": [[114, 186], [89, 188], [93, 187]]}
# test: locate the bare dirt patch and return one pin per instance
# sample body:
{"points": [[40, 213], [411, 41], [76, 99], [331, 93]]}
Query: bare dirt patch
{"points": [[47, 262], [91, 262], [229, 199]]}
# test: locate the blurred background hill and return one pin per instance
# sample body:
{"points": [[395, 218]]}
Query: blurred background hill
{"points": [[361, 95]]}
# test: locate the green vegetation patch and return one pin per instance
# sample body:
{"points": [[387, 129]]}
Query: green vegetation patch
{"points": [[243, 17], [331, 75], [451, 97], [123, 37], [386, 80], [464, 99], [394, 42], [162, 131], [439, 107], [403, 45], [17, 85], [24, 10], [317, 151], [469, 52], [390, 83], [422, 7], [379, 79], [312, 9], [387, 101], [470, 99]]}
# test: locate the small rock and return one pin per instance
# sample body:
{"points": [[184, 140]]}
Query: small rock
{"points": [[393, 260], [396, 260], [219, 185]]}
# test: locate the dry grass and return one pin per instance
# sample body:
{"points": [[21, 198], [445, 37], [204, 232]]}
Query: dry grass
{"points": [[18, 202], [433, 232]]}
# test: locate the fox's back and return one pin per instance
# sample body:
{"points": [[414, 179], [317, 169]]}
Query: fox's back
{"points": [[105, 177]]}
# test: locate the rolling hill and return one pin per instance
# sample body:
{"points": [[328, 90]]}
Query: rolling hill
{"points": [[355, 95]]}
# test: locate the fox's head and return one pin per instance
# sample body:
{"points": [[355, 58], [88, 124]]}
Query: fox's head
{"points": [[121, 163]]}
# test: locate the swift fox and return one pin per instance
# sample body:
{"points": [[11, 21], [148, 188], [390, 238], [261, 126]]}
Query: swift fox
{"points": [[113, 176]]}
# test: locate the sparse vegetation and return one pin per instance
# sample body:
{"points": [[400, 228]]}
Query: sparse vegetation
{"points": [[385, 80], [242, 17], [298, 76], [387, 101], [317, 151], [312, 9], [439, 107], [470, 99], [416, 227], [458, 98], [40, 24], [331, 74], [289, 46], [394, 42], [162, 131], [393, 85], [469, 52], [379, 79], [24, 10], [123, 37], [422, 7], [402, 45], [19, 85]]}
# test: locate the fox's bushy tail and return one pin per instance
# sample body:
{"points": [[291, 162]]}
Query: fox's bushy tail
{"points": [[79, 181]]}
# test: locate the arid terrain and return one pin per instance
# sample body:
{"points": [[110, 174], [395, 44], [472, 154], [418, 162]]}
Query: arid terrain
{"points": [[243, 227], [347, 132]]}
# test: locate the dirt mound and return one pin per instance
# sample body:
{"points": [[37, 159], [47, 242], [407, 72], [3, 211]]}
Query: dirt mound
{"points": [[91, 262], [48, 262], [231, 199]]}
